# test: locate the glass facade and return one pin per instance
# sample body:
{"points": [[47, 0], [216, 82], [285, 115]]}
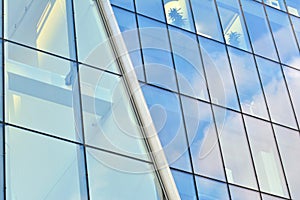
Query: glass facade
{"points": [[220, 79]]}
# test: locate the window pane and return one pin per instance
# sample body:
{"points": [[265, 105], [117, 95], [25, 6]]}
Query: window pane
{"points": [[284, 37], [236, 153], [276, 92], [206, 19], [203, 139], [45, 25], [248, 83], [41, 167], [178, 13], [135, 180], [153, 8], [128, 4], [42, 92], [219, 77], [259, 31], [165, 111], [269, 197], [238, 193], [293, 7], [289, 147], [209, 189], [188, 64], [266, 159], [279, 4], [109, 120], [156, 52], [1, 164], [235, 32], [185, 185], [296, 25], [93, 45]]}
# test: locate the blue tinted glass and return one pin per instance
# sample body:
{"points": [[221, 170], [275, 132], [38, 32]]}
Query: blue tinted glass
{"points": [[211, 190], [127, 24], [153, 8], [248, 83], [165, 111], [128, 4], [259, 31], [276, 92], [284, 38], [203, 139], [156, 53], [185, 185], [219, 77], [234, 29], [206, 19], [188, 64], [279, 4], [293, 7], [1, 164]]}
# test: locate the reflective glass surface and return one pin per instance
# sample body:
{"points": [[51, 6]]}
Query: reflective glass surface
{"points": [[128, 4], [293, 7], [278, 4], [210, 189], [153, 8], [185, 184], [237, 193]]}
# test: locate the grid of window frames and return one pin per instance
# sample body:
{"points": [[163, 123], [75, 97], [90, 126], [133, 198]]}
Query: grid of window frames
{"points": [[68, 128], [221, 79]]}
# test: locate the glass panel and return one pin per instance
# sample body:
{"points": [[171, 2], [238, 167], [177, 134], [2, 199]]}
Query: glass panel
{"points": [[203, 139], [219, 77], [276, 92], [259, 31], [235, 32], [279, 4], [109, 120], [289, 147], [40, 167], [127, 24], [134, 180], [284, 37], [185, 185], [128, 4], [248, 83], [293, 80], [42, 92], [269, 197], [93, 45], [296, 25], [178, 13], [206, 19], [153, 8], [209, 189], [293, 7], [238, 193], [45, 25], [166, 114], [188, 64], [266, 159], [1, 82], [156, 52], [1, 164], [236, 153]]}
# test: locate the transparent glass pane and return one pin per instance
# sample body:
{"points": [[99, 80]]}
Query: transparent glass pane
{"points": [[189, 69], [1, 164], [276, 92], [178, 13], [289, 148], [236, 153], [293, 7], [248, 83], [45, 25], [128, 4], [127, 24], [296, 25], [40, 167], [1, 83], [293, 81], [134, 181], [185, 185], [153, 8], [269, 197], [42, 92], [259, 31], [209, 189], [284, 37], [166, 114], [109, 120], [238, 193], [234, 29], [279, 4], [266, 159], [219, 77], [203, 139], [157, 53], [93, 46], [206, 19]]}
